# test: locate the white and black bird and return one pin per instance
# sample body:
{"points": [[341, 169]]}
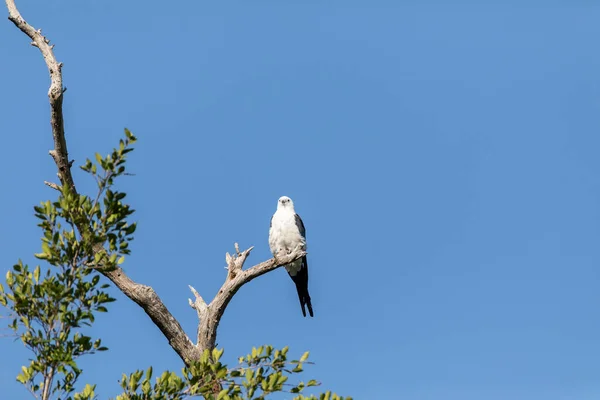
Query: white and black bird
{"points": [[285, 235]]}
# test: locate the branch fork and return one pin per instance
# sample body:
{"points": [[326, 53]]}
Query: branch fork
{"points": [[210, 315], [236, 262]]}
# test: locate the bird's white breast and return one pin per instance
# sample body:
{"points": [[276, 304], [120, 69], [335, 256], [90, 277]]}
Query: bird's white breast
{"points": [[284, 236]]}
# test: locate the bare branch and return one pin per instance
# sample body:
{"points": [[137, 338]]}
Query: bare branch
{"points": [[151, 303], [199, 304], [231, 286], [236, 262], [236, 278], [55, 93]]}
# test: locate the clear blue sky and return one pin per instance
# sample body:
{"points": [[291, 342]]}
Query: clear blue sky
{"points": [[444, 159]]}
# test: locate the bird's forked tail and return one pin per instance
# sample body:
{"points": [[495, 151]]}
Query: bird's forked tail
{"points": [[304, 298]]}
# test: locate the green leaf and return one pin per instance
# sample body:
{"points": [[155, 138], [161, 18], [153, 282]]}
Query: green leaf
{"points": [[216, 354], [26, 372], [88, 391], [98, 256], [46, 248], [146, 388], [130, 229], [304, 357], [21, 379]]}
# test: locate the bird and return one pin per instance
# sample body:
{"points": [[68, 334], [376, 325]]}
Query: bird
{"points": [[286, 233]]}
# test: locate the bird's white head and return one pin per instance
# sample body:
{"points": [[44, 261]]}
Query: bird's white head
{"points": [[285, 203]]}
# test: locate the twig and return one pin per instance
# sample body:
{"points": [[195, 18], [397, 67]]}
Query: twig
{"points": [[199, 304], [53, 185]]}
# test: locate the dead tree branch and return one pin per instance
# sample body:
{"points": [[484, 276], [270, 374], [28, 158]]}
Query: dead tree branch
{"points": [[209, 315], [55, 93]]}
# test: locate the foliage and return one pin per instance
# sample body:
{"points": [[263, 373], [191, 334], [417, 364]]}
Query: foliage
{"points": [[51, 306], [259, 374], [105, 222]]}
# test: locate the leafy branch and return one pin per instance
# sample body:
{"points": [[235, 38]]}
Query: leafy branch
{"points": [[264, 371], [50, 305]]}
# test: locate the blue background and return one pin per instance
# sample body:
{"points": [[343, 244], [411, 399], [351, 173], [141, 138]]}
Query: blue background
{"points": [[444, 158]]}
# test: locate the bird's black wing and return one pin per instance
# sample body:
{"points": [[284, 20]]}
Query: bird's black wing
{"points": [[300, 225]]}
